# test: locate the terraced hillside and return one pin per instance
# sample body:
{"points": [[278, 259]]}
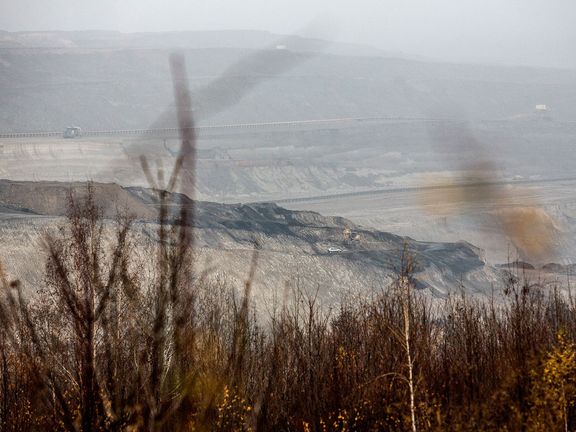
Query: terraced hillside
{"points": [[328, 254], [52, 80]]}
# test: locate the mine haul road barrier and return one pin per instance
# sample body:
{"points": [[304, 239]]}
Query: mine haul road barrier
{"points": [[405, 189], [206, 128]]}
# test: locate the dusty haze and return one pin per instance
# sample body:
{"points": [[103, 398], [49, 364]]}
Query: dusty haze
{"points": [[527, 32]]}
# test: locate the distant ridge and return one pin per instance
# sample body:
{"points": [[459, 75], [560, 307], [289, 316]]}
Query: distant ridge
{"points": [[110, 80], [239, 39]]}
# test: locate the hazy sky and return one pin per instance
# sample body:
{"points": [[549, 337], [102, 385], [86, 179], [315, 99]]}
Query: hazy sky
{"points": [[533, 32]]}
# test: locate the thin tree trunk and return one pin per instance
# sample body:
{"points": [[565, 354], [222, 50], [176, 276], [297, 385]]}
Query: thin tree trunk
{"points": [[406, 312]]}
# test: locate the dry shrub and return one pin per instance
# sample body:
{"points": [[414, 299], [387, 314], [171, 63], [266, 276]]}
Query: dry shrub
{"points": [[120, 340]]}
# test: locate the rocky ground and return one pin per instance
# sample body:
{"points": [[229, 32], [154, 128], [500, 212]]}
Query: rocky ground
{"points": [[328, 255], [452, 124]]}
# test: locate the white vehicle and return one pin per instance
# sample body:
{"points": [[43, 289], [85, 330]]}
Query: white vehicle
{"points": [[334, 250], [72, 132]]}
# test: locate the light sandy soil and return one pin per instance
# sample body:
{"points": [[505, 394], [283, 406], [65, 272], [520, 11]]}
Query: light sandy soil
{"points": [[266, 165]]}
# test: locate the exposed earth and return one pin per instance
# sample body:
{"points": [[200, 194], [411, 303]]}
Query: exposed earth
{"points": [[450, 155]]}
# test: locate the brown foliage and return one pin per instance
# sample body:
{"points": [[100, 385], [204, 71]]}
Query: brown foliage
{"points": [[117, 342]]}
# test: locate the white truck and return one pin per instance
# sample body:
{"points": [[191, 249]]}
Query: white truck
{"points": [[72, 132]]}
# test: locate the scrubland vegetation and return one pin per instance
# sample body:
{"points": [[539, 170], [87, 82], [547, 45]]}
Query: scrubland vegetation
{"points": [[120, 340], [123, 337]]}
